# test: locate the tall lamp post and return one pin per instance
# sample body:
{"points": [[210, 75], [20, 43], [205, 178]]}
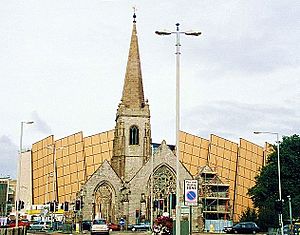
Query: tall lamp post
{"points": [[290, 210], [177, 33], [19, 172], [279, 177], [53, 148]]}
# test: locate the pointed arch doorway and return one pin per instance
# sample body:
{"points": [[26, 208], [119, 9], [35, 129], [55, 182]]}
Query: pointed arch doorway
{"points": [[104, 202]]}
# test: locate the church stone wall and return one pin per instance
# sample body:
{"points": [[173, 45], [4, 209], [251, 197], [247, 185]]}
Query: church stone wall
{"points": [[131, 165], [104, 174], [139, 184]]}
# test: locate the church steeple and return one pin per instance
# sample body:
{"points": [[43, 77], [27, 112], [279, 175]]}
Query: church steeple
{"points": [[132, 138], [133, 94]]}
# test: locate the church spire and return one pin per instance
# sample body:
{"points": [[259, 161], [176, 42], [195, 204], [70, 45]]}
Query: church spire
{"points": [[132, 138], [133, 94]]}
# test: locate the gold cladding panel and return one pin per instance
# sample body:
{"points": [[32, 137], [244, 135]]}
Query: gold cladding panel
{"points": [[223, 155], [250, 160], [103, 137], [193, 151], [95, 139], [87, 141], [182, 136], [90, 161], [42, 163], [99, 149]]}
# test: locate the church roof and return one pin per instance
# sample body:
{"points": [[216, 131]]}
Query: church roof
{"points": [[133, 94]]}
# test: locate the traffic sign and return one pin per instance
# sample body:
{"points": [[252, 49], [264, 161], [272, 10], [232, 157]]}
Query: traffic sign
{"points": [[122, 222], [190, 192]]}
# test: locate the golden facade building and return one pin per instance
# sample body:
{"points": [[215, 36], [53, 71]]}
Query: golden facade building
{"points": [[77, 158], [65, 168], [60, 167]]}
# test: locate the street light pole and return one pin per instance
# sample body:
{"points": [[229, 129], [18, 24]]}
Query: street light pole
{"points": [[290, 210], [54, 173], [279, 174], [19, 172], [177, 33], [151, 190]]}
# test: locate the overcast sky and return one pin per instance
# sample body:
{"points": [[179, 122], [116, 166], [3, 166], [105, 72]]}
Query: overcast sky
{"points": [[62, 65]]}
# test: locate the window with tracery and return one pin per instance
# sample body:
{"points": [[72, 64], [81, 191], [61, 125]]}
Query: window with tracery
{"points": [[164, 182], [163, 192], [134, 135]]}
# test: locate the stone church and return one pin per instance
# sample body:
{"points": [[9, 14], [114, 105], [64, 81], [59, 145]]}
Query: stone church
{"points": [[123, 188]]}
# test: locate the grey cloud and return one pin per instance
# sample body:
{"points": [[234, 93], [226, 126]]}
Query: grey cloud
{"points": [[40, 124], [234, 120], [8, 157], [260, 41]]}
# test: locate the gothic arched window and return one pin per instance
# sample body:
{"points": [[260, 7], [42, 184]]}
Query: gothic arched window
{"points": [[134, 135]]}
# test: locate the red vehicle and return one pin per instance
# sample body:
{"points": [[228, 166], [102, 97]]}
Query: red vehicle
{"points": [[114, 227], [22, 222]]}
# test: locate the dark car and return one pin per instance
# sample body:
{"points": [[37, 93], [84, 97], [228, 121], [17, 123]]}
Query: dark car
{"points": [[243, 227], [86, 225], [139, 227]]}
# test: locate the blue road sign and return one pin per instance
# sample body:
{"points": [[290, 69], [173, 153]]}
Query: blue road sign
{"points": [[190, 192]]}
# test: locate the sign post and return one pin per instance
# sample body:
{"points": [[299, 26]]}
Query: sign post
{"points": [[190, 196], [190, 192]]}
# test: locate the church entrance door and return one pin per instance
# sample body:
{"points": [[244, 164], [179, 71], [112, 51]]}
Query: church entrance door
{"points": [[104, 202]]}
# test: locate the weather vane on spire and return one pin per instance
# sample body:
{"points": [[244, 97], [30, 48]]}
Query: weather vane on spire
{"points": [[134, 15]]}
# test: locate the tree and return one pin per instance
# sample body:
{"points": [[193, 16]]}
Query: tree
{"points": [[265, 192], [249, 215]]}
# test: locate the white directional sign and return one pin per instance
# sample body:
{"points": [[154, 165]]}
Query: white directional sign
{"points": [[190, 192]]}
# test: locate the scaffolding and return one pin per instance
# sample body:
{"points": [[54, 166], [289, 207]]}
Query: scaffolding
{"points": [[214, 196]]}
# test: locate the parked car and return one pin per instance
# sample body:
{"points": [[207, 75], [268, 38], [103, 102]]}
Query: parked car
{"points": [[139, 227], [23, 222], [99, 226], [86, 225], [114, 227], [243, 227], [40, 226]]}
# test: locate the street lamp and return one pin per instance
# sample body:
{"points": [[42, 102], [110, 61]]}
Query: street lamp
{"points": [[53, 174], [290, 210], [19, 172], [151, 189], [177, 33], [54, 181], [279, 177]]}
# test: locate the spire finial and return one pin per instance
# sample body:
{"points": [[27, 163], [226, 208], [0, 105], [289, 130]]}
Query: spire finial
{"points": [[134, 15]]}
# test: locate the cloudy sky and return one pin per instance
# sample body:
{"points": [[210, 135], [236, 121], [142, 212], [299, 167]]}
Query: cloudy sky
{"points": [[62, 65]]}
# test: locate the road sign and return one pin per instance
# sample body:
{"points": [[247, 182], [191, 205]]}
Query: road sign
{"points": [[122, 222], [190, 192]]}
